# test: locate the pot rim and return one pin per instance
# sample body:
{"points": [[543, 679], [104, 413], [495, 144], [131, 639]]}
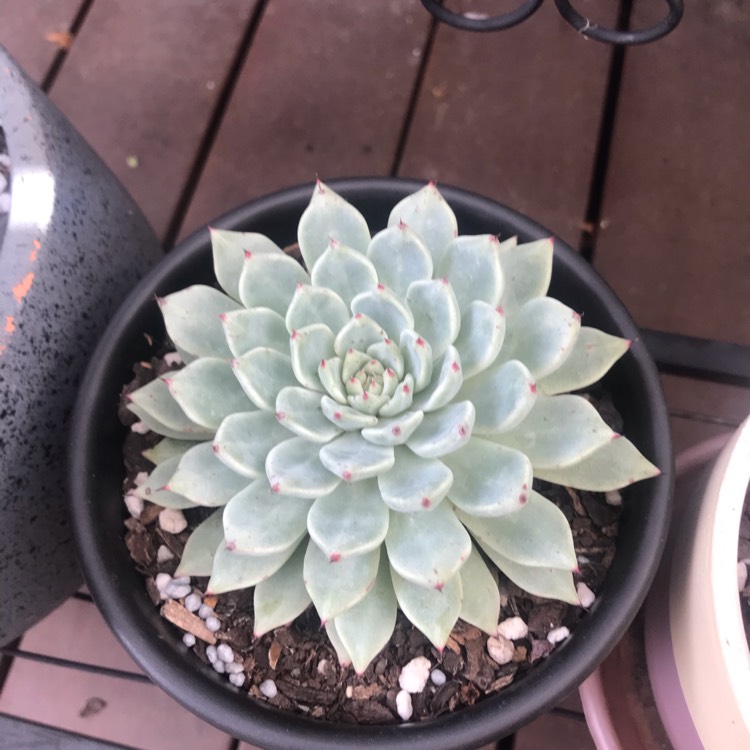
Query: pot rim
{"points": [[197, 688]]}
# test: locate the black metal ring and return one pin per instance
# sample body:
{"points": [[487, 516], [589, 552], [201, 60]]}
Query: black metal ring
{"points": [[491, 23], [594, 31]]}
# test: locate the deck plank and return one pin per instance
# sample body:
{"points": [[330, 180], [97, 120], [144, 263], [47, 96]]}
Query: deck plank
{"points": [[324, 92], [675, 247], [514, 115], [26, 26], [142, 81]]}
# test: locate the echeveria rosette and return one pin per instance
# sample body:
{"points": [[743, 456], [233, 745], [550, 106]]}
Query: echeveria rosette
{"points": [[364, 425]]}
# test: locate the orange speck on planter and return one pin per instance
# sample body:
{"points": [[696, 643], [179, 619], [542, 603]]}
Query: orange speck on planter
{"points": [[10, 324], [21, 289]]}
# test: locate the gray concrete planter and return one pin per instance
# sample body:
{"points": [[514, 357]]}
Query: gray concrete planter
{"points": [[71, 245]]}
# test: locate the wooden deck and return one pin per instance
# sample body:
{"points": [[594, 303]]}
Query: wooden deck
{"points": [[199, 106]]}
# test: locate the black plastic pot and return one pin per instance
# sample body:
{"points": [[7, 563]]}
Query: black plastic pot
{"points": [[72, 246], [96, 475]]}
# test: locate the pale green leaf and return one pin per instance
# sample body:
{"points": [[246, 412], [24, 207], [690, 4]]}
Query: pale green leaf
{"points": [[199, 335], [333, 636], [616, 464], [399, 257], [259, 521], [167, 448], [207, 391], [344, 270], [365, 628], [309, 347], [558, 431], [593, 354], [481, 337], [488, 479], [550, 583], [262, 373], [281, 598], [249, 329], [434, 612], [154, 405], [443, 431], [328, 216], [229, 249], [385, 308], [270, 280], [430, 217], [387, 351], [401, 399], [436, 313], [414, 483], [200, 549], [541, 334], [472, 266], [294, 468], [394, 431], [418, 359], [153, 489], [427, 548], [316, 304], [537, 534], [204, 479], [481, 597], [527, 269], [336, 586], [357, 335], [330, 374], [344, 417], [353, 458], [445, 385], [299, 410], [350, 520], [244, 440], [502, 396], [232, 570]]}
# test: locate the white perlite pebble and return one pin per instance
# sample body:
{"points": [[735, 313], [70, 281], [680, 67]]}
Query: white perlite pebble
{"points": [[349, 691], [500, 649], [134, 504], [163, 554], [238, 680], [176, 590], [234, 667], [141, 428], [403, 705], [219, 666], [173, 358], [172, 520], [3, 183], [741, 575], [322, 666], [414, 676], [438, 677], [213, 624], [613, 497], [557, 634], [192, 602], [5, 203], [162, 580], [211, 654], [205, 611], [585, 595], [5, 160], [513, 628], [188, 639], [268, 688], [225, 653]]}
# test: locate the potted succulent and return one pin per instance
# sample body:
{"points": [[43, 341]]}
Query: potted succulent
{"points": [[374, 425], [72, 244]]}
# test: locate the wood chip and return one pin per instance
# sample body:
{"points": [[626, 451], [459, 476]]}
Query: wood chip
{"points": [[453, 645], [178, 615], [211, 601], [577, 504], [63, 39], [274, 652]]}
